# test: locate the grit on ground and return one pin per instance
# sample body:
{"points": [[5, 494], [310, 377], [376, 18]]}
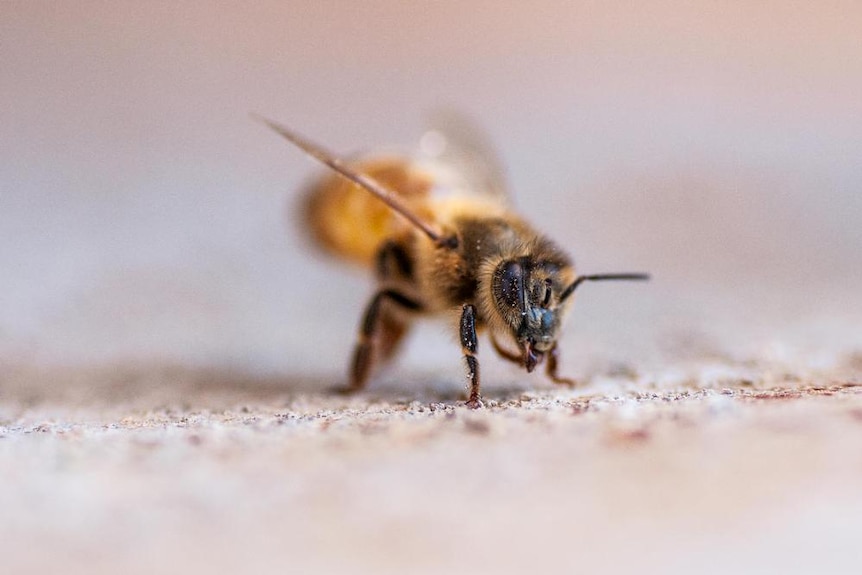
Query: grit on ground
{"points": [[131, 469]]}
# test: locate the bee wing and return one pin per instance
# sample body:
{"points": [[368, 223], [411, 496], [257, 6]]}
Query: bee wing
{"points": [[461, 155]]}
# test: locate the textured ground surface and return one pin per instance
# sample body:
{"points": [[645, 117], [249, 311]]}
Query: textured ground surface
{"points": [[218, 473]]}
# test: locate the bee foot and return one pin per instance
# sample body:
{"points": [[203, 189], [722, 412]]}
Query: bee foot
{"points": [[570, 383], [475, 403]]}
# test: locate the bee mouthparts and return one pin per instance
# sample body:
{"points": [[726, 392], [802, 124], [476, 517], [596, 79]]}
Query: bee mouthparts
{"points": [[530, 357]]}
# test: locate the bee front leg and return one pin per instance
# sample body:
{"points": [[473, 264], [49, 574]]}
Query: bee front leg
{"points": [[551, 368], [377, 324], [469, 345]]}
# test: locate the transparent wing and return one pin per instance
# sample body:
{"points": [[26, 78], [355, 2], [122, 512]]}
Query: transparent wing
{"points": [[461, 156]]}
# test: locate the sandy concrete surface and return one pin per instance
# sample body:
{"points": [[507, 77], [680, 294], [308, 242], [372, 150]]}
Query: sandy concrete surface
{"points": [[741, 469]]}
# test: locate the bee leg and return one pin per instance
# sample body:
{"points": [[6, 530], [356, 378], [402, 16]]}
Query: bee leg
{"points": [[469, 345], [506, 354], [551, 369], [393, 262], [377, 328], [393, 328], [393, 265]]}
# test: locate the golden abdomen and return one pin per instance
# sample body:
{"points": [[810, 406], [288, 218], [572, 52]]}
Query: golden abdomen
{"points": [[349, 222]]}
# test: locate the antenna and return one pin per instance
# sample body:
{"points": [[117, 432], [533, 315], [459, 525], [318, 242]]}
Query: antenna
{"points": [[602, 277], [367, 183]]}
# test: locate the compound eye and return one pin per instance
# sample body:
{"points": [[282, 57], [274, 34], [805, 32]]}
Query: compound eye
{"points": [[511, 284]]}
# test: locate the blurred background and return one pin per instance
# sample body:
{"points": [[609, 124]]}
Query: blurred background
{"points": [[144, 216]]}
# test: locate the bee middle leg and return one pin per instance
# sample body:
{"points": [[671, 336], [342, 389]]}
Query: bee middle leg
{"points": [[382, 329], [469, 346]]}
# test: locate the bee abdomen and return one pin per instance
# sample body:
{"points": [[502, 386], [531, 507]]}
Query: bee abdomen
{"points": [[350, 223]]}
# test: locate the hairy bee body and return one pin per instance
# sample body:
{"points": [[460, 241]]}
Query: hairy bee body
{"points": [[352, 225], [464, 254]]}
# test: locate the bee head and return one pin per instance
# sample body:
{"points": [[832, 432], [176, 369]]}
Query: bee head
{"points": [[528, 295], [532, 297]]}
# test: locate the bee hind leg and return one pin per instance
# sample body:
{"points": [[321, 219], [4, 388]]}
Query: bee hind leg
{"points": [[380, 332], [469, 346]]}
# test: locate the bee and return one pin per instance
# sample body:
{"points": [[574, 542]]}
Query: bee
{"points": [[465, 254]]}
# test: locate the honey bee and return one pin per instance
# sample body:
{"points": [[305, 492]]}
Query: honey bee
{"points": [[465, 254]]}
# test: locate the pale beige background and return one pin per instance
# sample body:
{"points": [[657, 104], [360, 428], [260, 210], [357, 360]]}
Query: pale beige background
{"points": [[143, 212], [145, 233]]}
